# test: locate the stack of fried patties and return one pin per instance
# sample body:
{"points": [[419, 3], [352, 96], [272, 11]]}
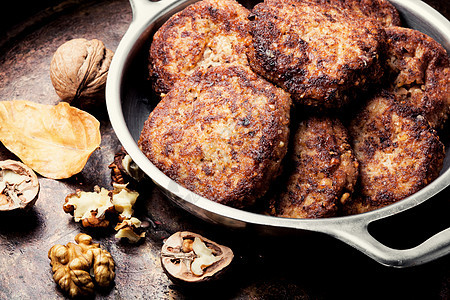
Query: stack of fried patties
{"points": [[219, 130], [226, 75]]}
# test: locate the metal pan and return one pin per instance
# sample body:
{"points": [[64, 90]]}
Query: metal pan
{"points": [[129, 103]]}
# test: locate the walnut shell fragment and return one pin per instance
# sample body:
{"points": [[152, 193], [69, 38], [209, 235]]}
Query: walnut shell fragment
{"points": [[19, 186], [77, 266], [124, 170], [78, 72], [190, 258]]}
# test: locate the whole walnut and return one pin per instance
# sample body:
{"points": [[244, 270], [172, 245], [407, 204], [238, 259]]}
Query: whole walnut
{"points": [[78, 72]]}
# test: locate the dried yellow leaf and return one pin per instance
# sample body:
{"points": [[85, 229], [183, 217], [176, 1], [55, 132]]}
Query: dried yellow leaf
{"points": [[54, 140]]}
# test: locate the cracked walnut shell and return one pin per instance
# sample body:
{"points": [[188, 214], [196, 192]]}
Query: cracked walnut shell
{"points": [[76, 266], [124, 170], [19, 186], [187, 257], [78, 72]]}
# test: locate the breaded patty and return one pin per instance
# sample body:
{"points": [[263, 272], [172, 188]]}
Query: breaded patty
{"points": [[324, 170], [315, 51], [419, 73], [206, 33], [398, 153], [221, 133], [381, 11]]}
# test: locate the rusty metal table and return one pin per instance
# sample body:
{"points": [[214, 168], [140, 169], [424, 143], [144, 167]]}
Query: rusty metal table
{"points": [[309, 267]]}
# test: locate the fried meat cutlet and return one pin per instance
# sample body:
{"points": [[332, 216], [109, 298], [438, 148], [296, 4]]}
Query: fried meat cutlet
{"points": [[381, 11], [398, 154], [206, 33], [221, 133], [419, 73], [324, 170], [315, 51]]}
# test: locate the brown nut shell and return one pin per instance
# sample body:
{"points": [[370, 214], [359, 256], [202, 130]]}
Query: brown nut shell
{"points": [[124, 170], [176, 258], [78, 72], [19, 186]]}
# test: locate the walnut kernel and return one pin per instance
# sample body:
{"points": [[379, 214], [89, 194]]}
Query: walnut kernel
{"points": [[94, 208], [73, 264], [130, 229]]}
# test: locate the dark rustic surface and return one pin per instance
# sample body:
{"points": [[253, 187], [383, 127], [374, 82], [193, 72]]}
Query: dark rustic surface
{"points": [[305, 267]]}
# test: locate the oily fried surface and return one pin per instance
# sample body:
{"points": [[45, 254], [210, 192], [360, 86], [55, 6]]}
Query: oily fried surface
{"points": [[398, 152], [206, 33], [325, 170], [419, 73], [381, 11], [315, 51], [221, 134]]}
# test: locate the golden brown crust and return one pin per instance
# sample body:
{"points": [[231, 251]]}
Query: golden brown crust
{"points": [[315, 51], [398, 153], [419, 73], [206, 33], [222, 134], [325, 170], [381, 11]]}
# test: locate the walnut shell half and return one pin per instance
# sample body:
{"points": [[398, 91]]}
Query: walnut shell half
{"points": [[19, 186], [188, 257], [78, 72]]}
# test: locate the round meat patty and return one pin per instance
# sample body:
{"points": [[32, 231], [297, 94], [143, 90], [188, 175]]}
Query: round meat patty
{"points": [[206, 33], [419, 73], [324, 171], [317, 52], [221, 133], [381, 11], [398, 153]]}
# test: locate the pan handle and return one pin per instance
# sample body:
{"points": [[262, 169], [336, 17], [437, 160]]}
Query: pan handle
{"points": [[356, 234], [142, 9]]}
